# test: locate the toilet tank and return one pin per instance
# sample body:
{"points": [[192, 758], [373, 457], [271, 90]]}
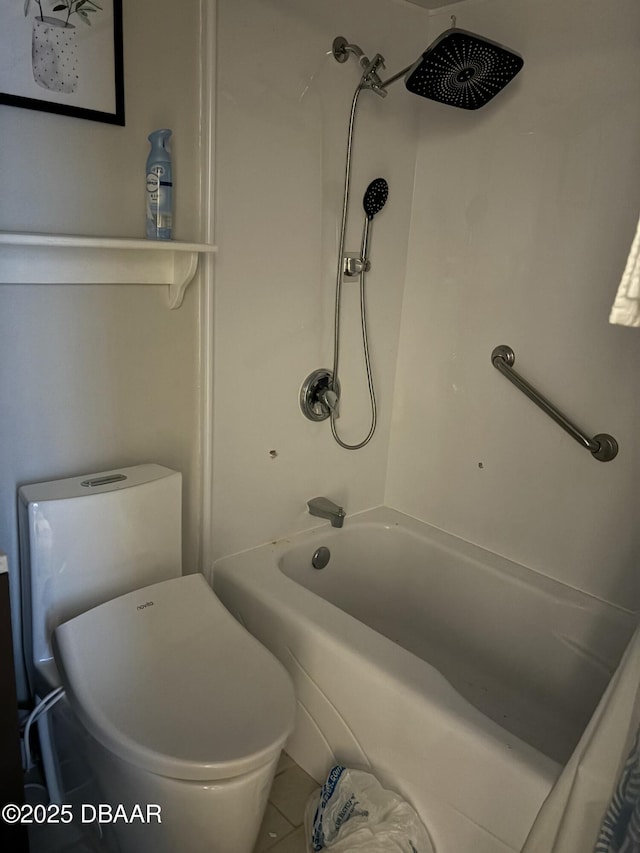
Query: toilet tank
{"points": [[86, 540]]}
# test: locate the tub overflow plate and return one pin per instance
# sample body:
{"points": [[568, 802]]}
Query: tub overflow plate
{"points": [[321, 558]]}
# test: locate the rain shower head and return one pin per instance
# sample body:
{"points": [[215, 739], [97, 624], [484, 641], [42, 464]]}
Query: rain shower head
{"points": [[463, 70]]}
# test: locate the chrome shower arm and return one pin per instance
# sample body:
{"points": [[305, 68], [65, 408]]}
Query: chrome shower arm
{"points": [[385, 83], [341, 49]]}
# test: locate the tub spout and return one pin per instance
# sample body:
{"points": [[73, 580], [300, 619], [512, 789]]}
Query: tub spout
{"points": [[324, 508]]}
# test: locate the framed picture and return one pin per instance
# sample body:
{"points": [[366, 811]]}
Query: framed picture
{"points": [[63, 56]]}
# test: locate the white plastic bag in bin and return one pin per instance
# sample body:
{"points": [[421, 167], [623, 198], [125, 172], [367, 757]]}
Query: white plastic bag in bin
{"points": [[353, 812]]}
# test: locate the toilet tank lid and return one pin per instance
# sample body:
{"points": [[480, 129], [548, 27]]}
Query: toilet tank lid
{"points": [[103, 481], [169, 681]]}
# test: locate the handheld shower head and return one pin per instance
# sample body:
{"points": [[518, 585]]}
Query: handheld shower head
{"points": [[375, 197], [463, 70]]}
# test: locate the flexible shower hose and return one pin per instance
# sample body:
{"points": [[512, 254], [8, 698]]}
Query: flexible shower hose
{"points": [[338, 302]]}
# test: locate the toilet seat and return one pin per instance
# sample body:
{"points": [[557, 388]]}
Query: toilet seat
{"points": [[169, 681]]}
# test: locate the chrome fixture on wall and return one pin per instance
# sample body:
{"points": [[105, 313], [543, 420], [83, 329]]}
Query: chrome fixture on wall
{"points": [[374, 200], [320, 392], [319, 395], [341, 50], [460, 69], [602, 447], [324, 508]]}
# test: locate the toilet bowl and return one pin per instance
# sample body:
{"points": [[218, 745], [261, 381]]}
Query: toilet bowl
{"points": [[178, 712]]}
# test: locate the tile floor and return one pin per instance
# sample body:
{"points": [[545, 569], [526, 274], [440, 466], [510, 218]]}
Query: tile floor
{"points": [[282, 829]]}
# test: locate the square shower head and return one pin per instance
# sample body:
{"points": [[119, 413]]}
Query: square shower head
{"points": [[463, 70]]}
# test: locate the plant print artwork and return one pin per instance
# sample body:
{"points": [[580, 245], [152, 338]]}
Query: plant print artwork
{"points": [[64, 57], [54, 45]]}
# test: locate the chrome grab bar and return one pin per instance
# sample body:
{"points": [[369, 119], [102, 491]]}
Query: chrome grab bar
{"points": [[602, 447]]}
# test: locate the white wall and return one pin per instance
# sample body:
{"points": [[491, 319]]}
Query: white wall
{"points": [[102, 376], [283, 109], [522, 219]]}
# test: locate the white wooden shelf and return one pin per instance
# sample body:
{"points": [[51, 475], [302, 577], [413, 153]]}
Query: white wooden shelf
{"points": [[67, 259]]}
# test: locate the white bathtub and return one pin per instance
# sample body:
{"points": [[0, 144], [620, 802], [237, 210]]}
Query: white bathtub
{"points": [[461, 679]]}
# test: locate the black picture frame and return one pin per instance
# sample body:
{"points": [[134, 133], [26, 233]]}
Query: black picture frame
{"points": [[32, 94]]}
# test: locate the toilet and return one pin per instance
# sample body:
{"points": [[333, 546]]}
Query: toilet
{"points": [[174, 716]]}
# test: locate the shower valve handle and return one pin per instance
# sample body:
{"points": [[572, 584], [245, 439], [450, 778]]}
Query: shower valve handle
{"points": [[330, 399]]}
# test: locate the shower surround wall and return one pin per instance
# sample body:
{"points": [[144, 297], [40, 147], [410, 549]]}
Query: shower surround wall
{"points": [[283, 110], [522, 218]]}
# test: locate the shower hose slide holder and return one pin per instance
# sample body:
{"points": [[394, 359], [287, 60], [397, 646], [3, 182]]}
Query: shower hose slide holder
{"points": [[353, 265]]}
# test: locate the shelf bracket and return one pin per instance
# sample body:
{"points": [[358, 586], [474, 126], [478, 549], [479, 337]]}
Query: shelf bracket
{"points": [[185, 266]]}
